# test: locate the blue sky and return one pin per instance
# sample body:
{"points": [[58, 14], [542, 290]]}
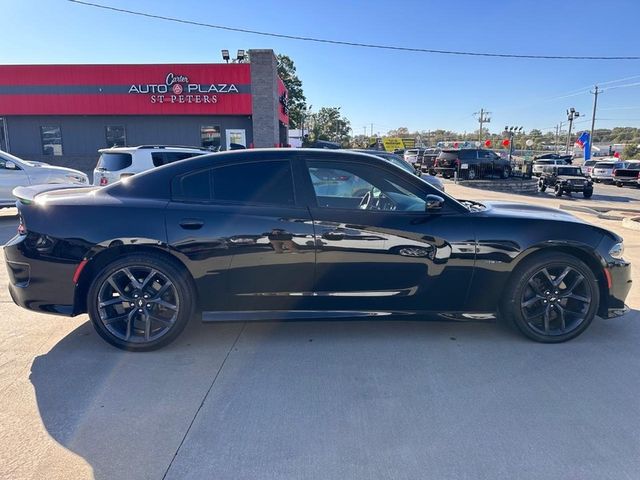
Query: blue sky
{"points": [[386, 88]]}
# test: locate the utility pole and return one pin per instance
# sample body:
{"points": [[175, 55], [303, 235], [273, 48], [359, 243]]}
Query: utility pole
{"points": [[483, 117], [571, 114], [372, 129], [593, 117]]}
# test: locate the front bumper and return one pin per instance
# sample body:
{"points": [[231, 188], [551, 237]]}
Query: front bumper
{"points": [[618, 274], [38, 282]]}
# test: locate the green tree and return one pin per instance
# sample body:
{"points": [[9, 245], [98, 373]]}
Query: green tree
{"points": [[329, 124], [631, 151], [297, 102]]}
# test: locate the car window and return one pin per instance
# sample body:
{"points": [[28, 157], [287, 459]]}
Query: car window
{"points": [[269, 182], [468, 154], [589, 163], [3, 164], [259, 182], [348, 185], [113, 162], [162, 158]]}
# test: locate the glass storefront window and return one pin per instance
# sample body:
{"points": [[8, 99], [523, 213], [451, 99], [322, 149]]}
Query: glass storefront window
{"points": [[210, 137], [51, 138], [116, 136]]}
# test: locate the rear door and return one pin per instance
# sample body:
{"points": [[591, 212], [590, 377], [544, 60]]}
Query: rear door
{"points": [[380, 250], [241, 229]]}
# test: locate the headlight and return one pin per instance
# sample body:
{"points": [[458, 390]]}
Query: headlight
{"points": [[617, 250]]}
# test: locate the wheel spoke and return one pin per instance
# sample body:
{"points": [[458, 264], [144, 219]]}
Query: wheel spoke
{"points": [[115, 287], [113, 301], [132, 314], [118, 318], [547, 276], [563, 324], [546, 320], [561, 277], [579, 298], [165, 304], [532, 301], [147, 326], [162, 290], [576, 282], [136, 283], [534, 287], [146, 281]]}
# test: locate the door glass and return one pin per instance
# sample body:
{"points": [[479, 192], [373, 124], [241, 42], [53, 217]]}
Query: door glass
{"points": [[363, 187], [263, 182], [3, 136]]}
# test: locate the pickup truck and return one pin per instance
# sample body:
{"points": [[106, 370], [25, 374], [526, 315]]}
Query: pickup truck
{"points": [[627, 176]]}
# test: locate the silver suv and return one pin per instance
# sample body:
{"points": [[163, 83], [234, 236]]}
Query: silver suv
{"points": [[121, 162]]}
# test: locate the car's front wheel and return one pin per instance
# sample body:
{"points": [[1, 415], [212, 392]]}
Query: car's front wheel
{"points": [[140, 302], [542, 187], [557, 190], [553, 298]]}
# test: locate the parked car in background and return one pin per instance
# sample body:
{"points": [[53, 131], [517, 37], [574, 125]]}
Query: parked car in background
{"points": [[120, 162], [565, 179], [413, 155], [630, 175], [16, 172], [428, 159], [603, 171], [400, 162], [472, 163], [251, 236], [587, 167], [539, 165], [567, 158]]}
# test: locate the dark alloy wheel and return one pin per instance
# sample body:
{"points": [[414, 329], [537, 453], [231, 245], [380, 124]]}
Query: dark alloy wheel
{"points": [[140, 302], [587, 193], [506, 172], [554, 299]]}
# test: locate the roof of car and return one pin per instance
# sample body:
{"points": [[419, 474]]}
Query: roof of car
{"points": [[155, 147]]}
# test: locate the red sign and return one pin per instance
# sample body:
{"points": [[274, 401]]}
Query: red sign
{"points": [[178, 89]]}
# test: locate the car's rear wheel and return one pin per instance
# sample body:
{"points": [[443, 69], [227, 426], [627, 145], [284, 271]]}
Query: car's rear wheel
{"points": [[506, 172], [471, 173], [619, 184], [553, 298], [140, 302]]}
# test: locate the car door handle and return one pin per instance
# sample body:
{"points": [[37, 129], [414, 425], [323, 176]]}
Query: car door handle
{"points": [[191, 223]]}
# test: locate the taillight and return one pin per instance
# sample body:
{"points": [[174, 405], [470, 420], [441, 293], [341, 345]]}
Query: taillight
{"points": [[614, 171], [103, 181]]}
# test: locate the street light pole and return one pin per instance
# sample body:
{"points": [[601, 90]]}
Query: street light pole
{"points": [[571, 114]]}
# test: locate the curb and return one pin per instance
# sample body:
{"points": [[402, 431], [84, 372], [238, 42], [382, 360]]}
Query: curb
{"points": [[632, 223]]}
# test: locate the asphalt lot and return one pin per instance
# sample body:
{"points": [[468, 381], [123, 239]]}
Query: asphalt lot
{"points": [[335, 400]]}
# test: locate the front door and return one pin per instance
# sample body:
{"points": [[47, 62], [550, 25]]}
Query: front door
{"points": [[235, 138], [377, 247], [239, 229]]}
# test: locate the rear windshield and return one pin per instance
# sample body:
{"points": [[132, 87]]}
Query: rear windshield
{"points": [[604, 165], [589, 163], [448, 155], [113, 162]]}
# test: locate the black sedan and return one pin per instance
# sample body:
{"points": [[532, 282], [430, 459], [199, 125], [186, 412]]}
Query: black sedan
{"points": [[307, 234]]}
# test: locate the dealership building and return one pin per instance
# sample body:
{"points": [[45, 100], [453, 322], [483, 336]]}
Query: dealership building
{"points": [[62, 114]]}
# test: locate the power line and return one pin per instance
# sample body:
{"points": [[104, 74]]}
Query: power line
{"points": [[353, 44]]}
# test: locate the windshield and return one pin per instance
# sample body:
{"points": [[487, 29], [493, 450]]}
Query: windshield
{"points": [[569, 171]]}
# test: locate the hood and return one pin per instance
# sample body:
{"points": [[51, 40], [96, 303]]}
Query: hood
{"points": [[525, 210], [60, 170]]}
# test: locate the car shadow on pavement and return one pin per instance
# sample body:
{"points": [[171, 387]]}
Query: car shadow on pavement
{"points": [[127, 414]]}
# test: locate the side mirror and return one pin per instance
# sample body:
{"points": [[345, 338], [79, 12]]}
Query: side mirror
{"points": [[433, 203], [9, 165]]}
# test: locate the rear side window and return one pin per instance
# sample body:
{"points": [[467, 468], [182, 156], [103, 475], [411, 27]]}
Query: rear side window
{"points": [[468, 155], [162, 158], [113, 162], [268, 183]]}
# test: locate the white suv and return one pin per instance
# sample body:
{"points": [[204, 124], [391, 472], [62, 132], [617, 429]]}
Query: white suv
{"points": [[121, 162], [538, 165]]}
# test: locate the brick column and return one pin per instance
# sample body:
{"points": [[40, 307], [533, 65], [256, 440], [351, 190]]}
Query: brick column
{"points": [[265, 102]]}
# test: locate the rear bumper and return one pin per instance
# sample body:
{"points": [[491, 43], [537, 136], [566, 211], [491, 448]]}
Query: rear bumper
{"points": [[627, 181], [39, 283]]}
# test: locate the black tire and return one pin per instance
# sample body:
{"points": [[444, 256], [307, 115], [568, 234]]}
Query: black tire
{"points": [[160, 321], [557, 191], [506, 172], [528, 281], [542, 187], [619, 184], [587, 193]]}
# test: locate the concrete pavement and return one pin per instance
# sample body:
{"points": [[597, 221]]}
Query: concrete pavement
{"points": [[335, 400]]}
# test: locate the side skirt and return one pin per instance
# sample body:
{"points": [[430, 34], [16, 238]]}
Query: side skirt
{"points": [[266, 315]]}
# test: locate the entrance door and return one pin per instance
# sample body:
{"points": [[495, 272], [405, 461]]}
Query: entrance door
{"points": [[236, 137], [4, 137]]}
